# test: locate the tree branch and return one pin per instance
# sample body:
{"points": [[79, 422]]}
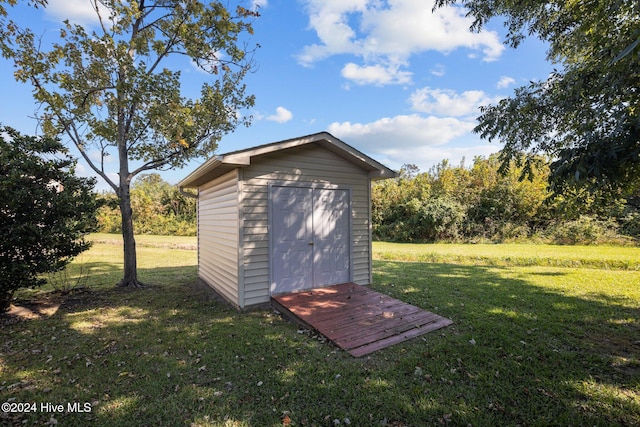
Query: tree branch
{"points": [[97, 9], [92, 91], [156, 163], [72, 131], [80, 147]]}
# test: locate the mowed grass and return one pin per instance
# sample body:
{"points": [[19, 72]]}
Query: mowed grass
{"points": [[532, 344], [618, 257]]}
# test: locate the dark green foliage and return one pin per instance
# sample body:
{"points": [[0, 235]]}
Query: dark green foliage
{"points": [[476, 203], [448, 203], [158, 208], [630, 224], [584, 230], [45, 210], [586, 114], [435, 218]]}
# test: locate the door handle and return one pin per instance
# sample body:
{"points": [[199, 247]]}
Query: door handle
{"points": [[310, 243]]}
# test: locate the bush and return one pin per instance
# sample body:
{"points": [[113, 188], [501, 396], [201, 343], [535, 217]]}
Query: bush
{"points": [[158, 208], [432, 219], [482, 204], [630, 225], [585, 230], [439, 219], [512, 232], [109, 220], [45, 211]]}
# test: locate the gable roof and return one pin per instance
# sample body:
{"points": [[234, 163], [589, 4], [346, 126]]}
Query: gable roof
{"points": [[220, 164]]}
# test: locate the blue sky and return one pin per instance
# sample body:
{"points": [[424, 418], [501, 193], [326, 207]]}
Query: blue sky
{"points": [[389, 77]]}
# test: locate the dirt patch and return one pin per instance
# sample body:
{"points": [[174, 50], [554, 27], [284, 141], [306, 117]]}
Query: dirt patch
{"points": [[44, 305], [30, 310]]}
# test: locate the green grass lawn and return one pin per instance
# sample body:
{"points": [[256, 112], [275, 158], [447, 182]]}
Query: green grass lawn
{"points": [[534, 343], [619, 257]]}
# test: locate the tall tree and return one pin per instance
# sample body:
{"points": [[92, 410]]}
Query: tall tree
{"points": [[586, 114], [109, 89], [45, 210]]}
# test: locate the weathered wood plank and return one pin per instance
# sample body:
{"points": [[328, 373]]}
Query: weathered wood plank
{"points": [[396, 339], [388, 329], [357, 318]]}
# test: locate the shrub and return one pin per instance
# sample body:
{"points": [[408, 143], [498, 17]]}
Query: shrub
{"points": [[513, 232], [431, 219], [45, 211], [440, 219], [585, 230], [158, 208], [630, 225]]}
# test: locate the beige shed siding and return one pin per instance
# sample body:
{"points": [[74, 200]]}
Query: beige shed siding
{"points": [[310, 163], [218, 221]]}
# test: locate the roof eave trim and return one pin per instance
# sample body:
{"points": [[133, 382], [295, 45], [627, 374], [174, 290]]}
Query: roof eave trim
{"points": [[382, 174], [206, 167], [243, 158]]}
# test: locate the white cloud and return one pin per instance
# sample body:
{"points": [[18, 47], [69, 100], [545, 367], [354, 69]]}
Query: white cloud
{"points": [[113, 176], [375, 74], [404, 131], [282, 115], [426, 157], [410, 26], [505, 81], [83, 170], [389, 33], [438, 70], [415, 139], [80, 12], [446, 102], [329, 19]]}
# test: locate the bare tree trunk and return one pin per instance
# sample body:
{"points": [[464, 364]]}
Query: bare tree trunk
{"points": [[130, 277]]}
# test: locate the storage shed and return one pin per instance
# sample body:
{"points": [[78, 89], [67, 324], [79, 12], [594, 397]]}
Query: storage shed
{"points": [[284, 217]]}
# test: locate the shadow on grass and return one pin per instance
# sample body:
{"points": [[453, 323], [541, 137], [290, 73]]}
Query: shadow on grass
{"points": [[548, 273], [576, 349], [167, 354], [171, 354]]}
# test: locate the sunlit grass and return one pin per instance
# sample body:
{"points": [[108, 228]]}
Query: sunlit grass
{"points": [[88, 323], [617, 257], [177, 242], [532, 344]]}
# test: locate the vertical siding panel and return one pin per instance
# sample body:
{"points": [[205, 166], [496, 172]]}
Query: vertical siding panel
{"points": [[218, 238], [240, 233], [369, 260]]}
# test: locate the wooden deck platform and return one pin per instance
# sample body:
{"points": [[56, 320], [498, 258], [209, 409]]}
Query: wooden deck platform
{"points": [[357, 318]]}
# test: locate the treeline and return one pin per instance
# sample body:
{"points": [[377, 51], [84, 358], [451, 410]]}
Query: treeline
{"points": [[447, 203], [478, 203], [158, 208]]}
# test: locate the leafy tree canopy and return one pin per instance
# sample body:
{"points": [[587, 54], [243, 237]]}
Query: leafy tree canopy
{"points": [[113, 90], [44, 211], [108, 86], [586, 114]]}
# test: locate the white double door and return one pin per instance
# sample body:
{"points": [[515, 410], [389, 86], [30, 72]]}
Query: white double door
{"points": [[310, 241]]}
